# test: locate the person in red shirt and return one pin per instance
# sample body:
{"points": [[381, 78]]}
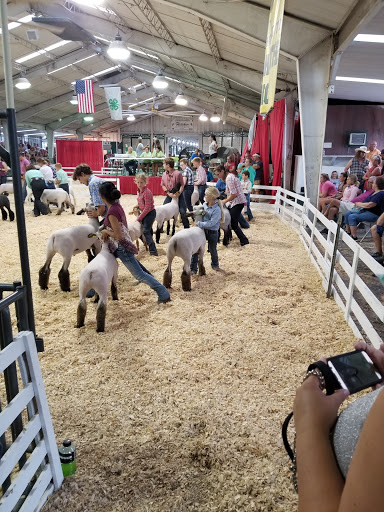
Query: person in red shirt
{"points": [[148, 213]]}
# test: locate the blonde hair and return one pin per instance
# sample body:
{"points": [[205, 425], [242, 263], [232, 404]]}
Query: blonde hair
{"points": [[197, 159], [58, 166], [213, 192], [353, 179], [141, 177]]}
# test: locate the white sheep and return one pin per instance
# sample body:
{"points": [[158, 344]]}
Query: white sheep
{"points": [[68, 242], [195, 195], [184, 244], [6, 188], [135, 230], [101, 271], [225, 223], [59, 196], [166, 212]]}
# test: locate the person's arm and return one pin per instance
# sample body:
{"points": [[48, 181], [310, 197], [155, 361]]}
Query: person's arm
{"points": [[348, 166], [319, 480], [380, 220], [198, 178], [369, 205], [162, 183], [27, 179], [116, 232]]}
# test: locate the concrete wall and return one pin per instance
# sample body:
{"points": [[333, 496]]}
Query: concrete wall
{"points": [[343, 118]]}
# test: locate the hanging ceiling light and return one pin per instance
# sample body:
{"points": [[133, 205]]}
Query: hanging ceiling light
{"points": [[181, 99], [131, 117], [118, 49], [73, 100], [23, 83], [215, 118], [203, 117], [88, 119], [159, 82]]}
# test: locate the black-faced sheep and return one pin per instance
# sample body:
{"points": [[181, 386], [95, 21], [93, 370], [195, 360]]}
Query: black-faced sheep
{"points": [[101, 271], [184, 244], [5, 205]]}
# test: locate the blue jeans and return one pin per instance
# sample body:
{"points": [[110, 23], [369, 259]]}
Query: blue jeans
{"points": [[50, 184], [212, 238], [3, 179], [147, 222], [353, 219], [249, 213], [243, 223], [65, 186], [187, 194], [140, 273], [202, 189], [131, 167]]}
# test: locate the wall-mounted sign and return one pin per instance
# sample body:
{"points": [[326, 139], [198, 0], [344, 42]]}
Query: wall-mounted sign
{"points": [[182, 124]]}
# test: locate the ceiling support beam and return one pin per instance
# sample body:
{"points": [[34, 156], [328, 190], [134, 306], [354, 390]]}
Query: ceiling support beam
{"points": [[241, 75]]}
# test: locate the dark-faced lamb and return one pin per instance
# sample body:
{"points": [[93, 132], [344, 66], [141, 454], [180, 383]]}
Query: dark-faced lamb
{"points": [[101, 271], [225, 223], [184, 244], [68, 242], [5, 205], [166, 212], [59, 196]]}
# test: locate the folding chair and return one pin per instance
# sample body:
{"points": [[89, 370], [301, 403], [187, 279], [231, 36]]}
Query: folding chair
{"points": [[368, 230]]}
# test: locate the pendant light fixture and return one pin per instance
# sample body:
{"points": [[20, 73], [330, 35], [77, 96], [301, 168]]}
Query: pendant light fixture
{"points": [[181, 99], [203, 117], [159, 82], [22, 83], [118, 49], [215, 118], [131, 117], [73, 100], [88, 119]]}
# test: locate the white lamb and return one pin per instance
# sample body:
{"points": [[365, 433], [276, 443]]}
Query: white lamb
{"points": [[59, 196], [225, 223], [166, 212], [6, 188], [68, 242], [195, 195], [135, 230], [101, 271], [184, 244]]}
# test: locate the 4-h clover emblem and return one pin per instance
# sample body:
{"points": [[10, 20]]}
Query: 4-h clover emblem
{"points": [[113, 104]]}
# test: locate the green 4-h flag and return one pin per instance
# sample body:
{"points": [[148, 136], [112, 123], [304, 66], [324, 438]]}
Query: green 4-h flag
{"points": [[113, 97]]}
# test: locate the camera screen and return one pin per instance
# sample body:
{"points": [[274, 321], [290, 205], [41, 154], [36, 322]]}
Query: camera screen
{"points": [[356, 372]]}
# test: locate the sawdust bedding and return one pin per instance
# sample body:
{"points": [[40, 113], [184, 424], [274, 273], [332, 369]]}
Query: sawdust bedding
{"points": [[178, 407]]}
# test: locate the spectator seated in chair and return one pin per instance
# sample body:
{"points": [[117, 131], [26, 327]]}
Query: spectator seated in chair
{"points": [[328, 190], [367, 210], [345, 203]]}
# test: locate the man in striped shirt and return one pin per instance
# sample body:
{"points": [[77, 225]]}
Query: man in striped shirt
{"points": [[83, 173], [172, 183]]}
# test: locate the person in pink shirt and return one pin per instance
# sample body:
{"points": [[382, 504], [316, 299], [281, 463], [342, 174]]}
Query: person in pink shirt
{"points": [[24, 163], [201, 178], [327, 192], [345, 203]]}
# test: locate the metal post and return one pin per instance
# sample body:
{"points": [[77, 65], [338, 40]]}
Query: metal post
{"points": [[335, 249], [16, 177]]}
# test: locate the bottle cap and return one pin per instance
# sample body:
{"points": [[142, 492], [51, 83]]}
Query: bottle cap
{"points": [[67, 442]]}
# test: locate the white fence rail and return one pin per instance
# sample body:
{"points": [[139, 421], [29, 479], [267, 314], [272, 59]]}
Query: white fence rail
{"points": [[297, 211], [41, 473]]}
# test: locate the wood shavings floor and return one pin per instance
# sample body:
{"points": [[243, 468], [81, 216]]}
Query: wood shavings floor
{"points": [[178, 407]]}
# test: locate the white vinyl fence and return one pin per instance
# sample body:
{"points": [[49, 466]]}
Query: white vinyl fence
{"points": [[27, 488], [297, 211]]}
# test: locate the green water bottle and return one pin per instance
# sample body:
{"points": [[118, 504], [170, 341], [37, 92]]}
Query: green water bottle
{"points": [[67, 452]]}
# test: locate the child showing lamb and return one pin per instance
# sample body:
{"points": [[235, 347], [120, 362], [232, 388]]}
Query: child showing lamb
{"points": [[120, 243], [213, 215], [148, 213]]}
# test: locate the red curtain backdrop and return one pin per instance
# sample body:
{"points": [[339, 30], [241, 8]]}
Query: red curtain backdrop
{"points": [[276, 120], [261, 145], [70, 153], [128, 185], [244, 150]]}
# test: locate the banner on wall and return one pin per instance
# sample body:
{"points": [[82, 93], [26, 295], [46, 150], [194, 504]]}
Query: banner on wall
{"points": [[271, 61], [113, 97]]}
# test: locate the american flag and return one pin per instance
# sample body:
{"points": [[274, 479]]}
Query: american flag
{"points": [[84, 92]]}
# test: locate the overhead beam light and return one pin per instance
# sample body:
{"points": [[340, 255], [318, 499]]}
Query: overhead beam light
{"points": [[159, 81], [89, 3], [370, 38], [118, 50], [360, 80], [181, 99], [22, 83], [42, 51]]}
